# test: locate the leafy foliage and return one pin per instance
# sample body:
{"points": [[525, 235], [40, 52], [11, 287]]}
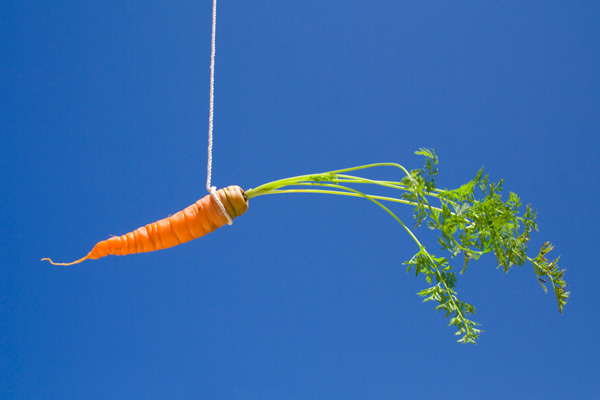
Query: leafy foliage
{"points": [[472, 220], [473, 226]]}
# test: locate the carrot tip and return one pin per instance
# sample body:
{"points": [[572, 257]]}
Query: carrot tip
{"points": [[71, 263]]}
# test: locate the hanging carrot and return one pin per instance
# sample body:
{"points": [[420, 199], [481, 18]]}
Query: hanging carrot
{"points": [[193, 222], [469, 225]]}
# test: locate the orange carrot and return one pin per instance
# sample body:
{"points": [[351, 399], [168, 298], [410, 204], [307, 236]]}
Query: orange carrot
{"points": [[196, 220]]}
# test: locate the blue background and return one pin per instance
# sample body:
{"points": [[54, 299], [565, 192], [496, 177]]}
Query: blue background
{"points": [[103, 113]]}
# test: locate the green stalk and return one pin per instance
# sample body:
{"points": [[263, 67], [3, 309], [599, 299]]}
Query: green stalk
{"points": [[467, 225], [335, 188]]}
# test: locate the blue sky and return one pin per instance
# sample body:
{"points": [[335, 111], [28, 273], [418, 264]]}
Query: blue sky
{"points": [[104, 114]]}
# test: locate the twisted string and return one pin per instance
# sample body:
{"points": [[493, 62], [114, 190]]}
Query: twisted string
{"points": [[212, 189]]}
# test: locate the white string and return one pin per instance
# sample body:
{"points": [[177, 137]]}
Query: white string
{"points": [[215, 196], [212, 95], [213, 189]]}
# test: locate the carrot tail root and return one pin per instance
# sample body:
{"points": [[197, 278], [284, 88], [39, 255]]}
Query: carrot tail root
{"points": [[71, 263]]}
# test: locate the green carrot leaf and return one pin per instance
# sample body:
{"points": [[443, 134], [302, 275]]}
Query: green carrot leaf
{"points": [[471, 220]]}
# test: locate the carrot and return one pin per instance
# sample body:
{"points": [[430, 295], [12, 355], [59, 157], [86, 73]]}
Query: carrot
{"points": [[476, 225], [195, 221]]}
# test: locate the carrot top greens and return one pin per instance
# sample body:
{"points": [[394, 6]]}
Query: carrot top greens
{"points": [[472, 220]]}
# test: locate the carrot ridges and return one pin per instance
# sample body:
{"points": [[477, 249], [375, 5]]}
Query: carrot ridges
{"points": [[194, 221]]}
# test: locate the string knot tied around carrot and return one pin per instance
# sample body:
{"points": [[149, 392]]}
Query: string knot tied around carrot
{"points": [[213, 193]]}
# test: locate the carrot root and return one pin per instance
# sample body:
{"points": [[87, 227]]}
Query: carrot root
{"points": [[199, 219]]}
